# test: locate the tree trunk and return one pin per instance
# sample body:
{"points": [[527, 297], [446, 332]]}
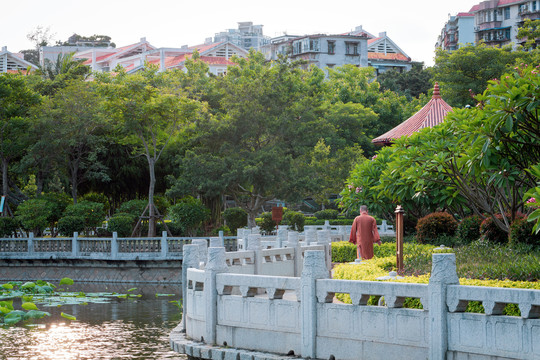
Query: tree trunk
{"points": [[252, 214], [39, 183], [151, 209], [5, 186], [74, 174]]}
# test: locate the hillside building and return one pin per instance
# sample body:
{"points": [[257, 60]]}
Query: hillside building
{"points": [[14, 62], [457, 32], [247, 36]]}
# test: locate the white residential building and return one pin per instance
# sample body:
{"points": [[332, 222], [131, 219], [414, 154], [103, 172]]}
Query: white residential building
{"points": [[247, 36], [135, 56], [457, 32], [14, 62]]}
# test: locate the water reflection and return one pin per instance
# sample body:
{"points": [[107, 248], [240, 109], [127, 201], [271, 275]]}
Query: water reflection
{"points": [[122, 329]]}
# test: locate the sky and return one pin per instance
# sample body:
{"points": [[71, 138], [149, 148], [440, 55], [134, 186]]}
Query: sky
{"points": [[413, 25]]}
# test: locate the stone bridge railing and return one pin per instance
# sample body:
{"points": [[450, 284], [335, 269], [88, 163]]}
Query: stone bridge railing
{"points": [[234, 315], [91, 248]]}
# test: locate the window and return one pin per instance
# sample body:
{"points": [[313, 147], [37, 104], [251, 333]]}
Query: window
{"points": [[507, 34], [351, 48], [507, 13], [331, 47], [533, 6], [297, 47], [314, 44]]}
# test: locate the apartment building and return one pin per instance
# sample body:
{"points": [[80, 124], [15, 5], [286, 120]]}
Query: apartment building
{"points": [[496, 23], [357, 47], [247, 36], [457, 32]]}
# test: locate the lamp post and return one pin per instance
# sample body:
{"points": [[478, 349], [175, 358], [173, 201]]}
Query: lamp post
{"points": [[399, 238]]}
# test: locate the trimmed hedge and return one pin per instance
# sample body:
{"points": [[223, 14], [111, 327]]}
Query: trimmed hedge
{"points": [[327, 214], [122, 223], [431, 226], [370, 270], [70, 224], [469, 229], [491, 232], [521, 232], [296, 220]]}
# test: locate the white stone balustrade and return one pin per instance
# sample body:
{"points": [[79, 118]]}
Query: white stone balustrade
{"points": [[299, 315]]}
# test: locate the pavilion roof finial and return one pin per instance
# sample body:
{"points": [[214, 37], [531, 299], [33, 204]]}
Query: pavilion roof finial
{"points": [[436, 92]]}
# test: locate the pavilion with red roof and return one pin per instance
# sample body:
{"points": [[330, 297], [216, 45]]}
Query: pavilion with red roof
{"points": [[433, 113]]}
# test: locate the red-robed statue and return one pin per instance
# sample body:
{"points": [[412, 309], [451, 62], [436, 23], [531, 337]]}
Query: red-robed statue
{"points": [[364, 234]]}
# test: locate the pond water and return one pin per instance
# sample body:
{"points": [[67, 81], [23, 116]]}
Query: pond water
{"points": [[122, 329]]}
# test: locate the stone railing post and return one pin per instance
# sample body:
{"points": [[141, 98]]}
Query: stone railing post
{"points": [[203, 246], [114, 246], [164, 245], [314, 268], [222, 239], [310, 235], [75, 245], [190, 259], [443, 273], [216, 264], [30, 243], [293, 243], [323, 238], [254, 244], [281, 237], [216, 242]]}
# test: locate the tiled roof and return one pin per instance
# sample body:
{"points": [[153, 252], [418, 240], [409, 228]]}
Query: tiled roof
{"points": [[387, 56], [475, 8], [433, 113], [371, 41], [205, 47], [509, 2], [173, 61], [464, 14]]}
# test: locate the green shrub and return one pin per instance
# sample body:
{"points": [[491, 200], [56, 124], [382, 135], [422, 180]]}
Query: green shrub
{"points": [[162, 204], [491, 232], [343, 252], [189, 213], [265, 223], [122, 224], [70, 224], [57, 203], [8, 226], [98, 198], [33, 215], [327, 214], [521, 232], [430, 227], [468, 229], [93, 213], [313, 221], [174, 228], [133, 207], [235, 218], [295, 220]]}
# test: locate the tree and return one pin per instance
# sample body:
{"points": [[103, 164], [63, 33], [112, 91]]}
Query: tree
{"points": [[465, 72], [410, 83], [255, 150], [16, 99], [76, 127], [147, 111], [39, 37]]}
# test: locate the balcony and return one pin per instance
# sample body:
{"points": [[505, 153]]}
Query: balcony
{"points": [[529, 14], [488, 25]]}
